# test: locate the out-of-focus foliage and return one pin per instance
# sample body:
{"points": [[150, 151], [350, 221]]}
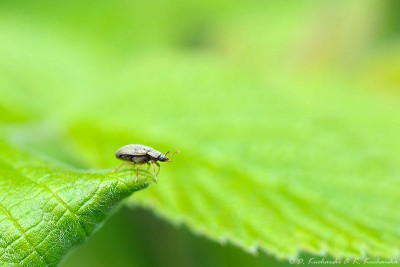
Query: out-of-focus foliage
{"points": [[152, 242], [286, 113]]}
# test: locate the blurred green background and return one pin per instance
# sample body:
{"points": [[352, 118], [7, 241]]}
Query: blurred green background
{"points": [[79, 79]]}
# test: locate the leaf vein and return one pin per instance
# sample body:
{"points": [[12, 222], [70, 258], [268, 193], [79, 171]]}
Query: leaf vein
{"points": [[19, 227]]}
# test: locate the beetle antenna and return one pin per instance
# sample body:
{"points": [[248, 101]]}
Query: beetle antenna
{"points": [[176, 152]]}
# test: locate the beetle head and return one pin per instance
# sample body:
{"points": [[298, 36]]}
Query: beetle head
{"points": [[165, 158]]}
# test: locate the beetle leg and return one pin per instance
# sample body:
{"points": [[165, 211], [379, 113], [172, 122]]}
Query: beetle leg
{"points": [[148, 166], [159, 167], [137, 171], [152, 165], [154, 169], [125, 163]]}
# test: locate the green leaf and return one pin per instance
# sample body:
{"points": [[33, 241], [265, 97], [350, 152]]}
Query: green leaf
{"points": [[45, 209]]}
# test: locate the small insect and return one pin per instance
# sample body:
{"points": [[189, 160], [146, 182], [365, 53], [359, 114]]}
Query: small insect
{"points": [[141, 154]]}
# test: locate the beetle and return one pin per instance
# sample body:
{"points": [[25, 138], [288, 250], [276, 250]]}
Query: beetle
{"points": [[140, 154]]}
